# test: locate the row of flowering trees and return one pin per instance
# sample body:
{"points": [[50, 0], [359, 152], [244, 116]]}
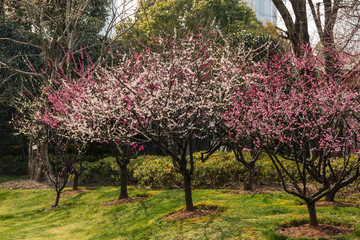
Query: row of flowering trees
{"points": [[173, 91]]}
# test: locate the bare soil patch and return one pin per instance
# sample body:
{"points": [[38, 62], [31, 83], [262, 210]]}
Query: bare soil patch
{"points": [[200, 211], [321, 231], [122, 201], [23, 184]]}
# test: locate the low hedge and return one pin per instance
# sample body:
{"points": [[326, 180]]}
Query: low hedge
{"points": [[220, 170], [103, 171]]}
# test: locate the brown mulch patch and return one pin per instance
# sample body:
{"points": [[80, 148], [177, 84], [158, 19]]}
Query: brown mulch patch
{"points": [[259, 189], [122, 201], [23, 184], [323, 230], [198, 212]]}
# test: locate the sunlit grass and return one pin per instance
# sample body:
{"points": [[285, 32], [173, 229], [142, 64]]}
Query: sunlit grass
{"points": [[22, 215]]}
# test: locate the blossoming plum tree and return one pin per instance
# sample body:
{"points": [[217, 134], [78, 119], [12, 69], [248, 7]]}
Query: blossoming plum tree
{"points": [[172, 90], [303, 118], [67, 152], [91, 107]]}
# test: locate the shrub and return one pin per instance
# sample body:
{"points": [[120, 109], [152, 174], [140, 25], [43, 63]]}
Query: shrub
{"points": [[220, 170], [104, 171], [158, 172], [155, 172]]}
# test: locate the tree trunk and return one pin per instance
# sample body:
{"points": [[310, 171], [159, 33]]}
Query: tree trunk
{"points": [[330, 197], [57, 199], [297, 31], [38, 158], [312, 214], [2, 10], [123, 182], [76, 180], [188, 194], [250, 177]]}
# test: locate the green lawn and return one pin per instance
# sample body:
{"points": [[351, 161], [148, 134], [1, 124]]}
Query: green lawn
{"points": [[22, 215]]}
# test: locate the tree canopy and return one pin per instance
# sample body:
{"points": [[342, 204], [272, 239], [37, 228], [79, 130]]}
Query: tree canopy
{"points": [[165, 16]]}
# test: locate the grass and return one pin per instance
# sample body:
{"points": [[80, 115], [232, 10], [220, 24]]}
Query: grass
{"points": [[6, 178], [22, 215]]}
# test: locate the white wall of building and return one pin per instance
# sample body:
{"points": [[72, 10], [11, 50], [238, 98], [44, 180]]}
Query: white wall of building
{"points": [[265, 10]]}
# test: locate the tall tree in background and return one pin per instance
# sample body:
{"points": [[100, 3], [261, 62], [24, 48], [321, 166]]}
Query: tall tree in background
{"points": [[188, 16], [330, 17], [57, 27], [296, 27]]}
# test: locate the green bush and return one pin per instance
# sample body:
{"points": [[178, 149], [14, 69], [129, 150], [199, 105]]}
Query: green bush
{"points": [[220, 170], [155, 172], [103, 171]]}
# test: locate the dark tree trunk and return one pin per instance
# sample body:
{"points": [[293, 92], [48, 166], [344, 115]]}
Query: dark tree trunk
{"points": [[122, 159], [57, 199], [38, 158], [123, 182], [330, 197], [2, 11], [312, 214], [188, 194], [250, 176], [297, 31], [76, 180]]}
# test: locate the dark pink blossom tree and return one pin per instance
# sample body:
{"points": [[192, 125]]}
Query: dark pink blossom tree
{"points": [[67, 152], [305, 119]]}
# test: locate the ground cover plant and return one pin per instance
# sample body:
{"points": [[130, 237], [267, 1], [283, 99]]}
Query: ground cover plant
{"points": [[241, 216]]}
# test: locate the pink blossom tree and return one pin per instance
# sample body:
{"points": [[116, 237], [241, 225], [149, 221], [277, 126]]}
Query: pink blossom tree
{"points": [[303, 118], [67, 152], [173, 89], [225, 123], [91, 107]]}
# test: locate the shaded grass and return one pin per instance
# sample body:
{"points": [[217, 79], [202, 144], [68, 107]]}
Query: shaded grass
{"points": [[6, 178], [22, 215]]}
